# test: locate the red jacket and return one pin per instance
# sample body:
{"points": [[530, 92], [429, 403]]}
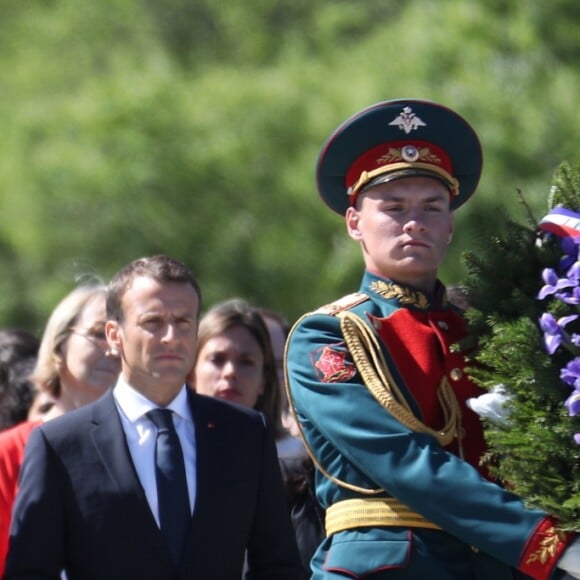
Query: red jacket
{"points": [[12, 443]]}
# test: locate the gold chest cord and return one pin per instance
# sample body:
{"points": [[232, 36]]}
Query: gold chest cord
{"points": [[370, 362]]}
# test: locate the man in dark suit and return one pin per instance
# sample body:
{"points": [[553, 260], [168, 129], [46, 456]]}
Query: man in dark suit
{"points": [[92, 500]]}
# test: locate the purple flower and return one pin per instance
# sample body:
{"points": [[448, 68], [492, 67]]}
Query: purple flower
{"points": [[571, 247], [572, 297], [573, 273], [566, 298], [570, 374], [567, 290], [554, 333], [553, 283], [573, 403]]}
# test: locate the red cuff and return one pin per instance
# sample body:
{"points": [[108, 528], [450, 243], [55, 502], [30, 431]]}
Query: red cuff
{"points": [[544, 549]]}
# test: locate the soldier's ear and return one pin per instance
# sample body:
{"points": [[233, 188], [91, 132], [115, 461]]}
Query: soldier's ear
{"points": [[352, 223]]}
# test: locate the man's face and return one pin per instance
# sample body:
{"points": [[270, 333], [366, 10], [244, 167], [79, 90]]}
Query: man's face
{"points": [[404, 227], [157, 338]]}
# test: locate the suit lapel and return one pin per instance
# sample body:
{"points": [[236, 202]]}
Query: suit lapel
{"points": [[204, 453], [206, 433], [110, 443]]}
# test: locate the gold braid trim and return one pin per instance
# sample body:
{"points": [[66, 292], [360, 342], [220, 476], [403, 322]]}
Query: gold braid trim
{"points": [[382, 389], [335, 480], [366, 352], [369, 512]]}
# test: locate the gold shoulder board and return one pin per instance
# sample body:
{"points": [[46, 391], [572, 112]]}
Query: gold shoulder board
{"points": [[342, 304]]}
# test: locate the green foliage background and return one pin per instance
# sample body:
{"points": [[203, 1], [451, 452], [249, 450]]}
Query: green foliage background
{"points": [[192, 128]]}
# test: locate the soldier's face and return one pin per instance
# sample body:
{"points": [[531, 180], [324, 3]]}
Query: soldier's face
{"points": [[404, 227]]}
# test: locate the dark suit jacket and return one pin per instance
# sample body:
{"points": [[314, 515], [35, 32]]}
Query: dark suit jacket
{"points": [[81, 506]]}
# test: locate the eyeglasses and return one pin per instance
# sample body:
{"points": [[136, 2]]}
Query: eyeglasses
{"points": [[94, 333]]}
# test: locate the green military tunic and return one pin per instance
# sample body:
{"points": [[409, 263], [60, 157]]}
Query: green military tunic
{"points": [[379, 392]]}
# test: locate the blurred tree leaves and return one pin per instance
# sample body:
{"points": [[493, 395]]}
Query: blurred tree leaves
{"points": [[192, 128]]}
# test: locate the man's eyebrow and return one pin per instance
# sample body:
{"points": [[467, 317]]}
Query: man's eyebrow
{"points": [[391, 197], [438, 197]]}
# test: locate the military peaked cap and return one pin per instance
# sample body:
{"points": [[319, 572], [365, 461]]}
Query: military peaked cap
{"points": [[395, 139]]}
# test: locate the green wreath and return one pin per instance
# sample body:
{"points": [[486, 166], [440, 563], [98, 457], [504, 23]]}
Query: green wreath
{"points": [[525, 299]]}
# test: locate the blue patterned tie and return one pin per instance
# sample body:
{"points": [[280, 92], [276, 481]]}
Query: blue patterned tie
{"points": [[172, 494]]}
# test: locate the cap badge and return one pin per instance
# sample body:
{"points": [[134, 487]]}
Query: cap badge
{"points": [[410, 154], [407, 121]]}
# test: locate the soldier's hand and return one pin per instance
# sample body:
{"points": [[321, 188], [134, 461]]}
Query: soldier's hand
{"points": [[492, 405], [570, 560]]}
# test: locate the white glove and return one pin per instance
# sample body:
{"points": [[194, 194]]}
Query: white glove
{"points": [[570, 559], [492, 405]]}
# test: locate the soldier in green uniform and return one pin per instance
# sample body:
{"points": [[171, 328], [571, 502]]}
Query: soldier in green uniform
{"points": [[377, 387]]}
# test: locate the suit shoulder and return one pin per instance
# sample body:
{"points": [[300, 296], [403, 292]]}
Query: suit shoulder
{"points": [[72, 423], [211, 406], [68, 420]]}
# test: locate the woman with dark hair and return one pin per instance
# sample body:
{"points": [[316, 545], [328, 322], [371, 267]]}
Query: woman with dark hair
{"points": [[235, 362], [18, 350]]}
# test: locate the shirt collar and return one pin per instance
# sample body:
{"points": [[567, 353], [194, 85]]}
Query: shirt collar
{"points": [[135, 405]]}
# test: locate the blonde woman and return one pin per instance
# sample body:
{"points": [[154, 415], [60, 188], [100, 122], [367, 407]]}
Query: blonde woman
{"points": [[73, 369]]}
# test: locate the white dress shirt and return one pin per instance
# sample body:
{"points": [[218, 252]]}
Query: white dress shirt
{"points": [[141, 435]]}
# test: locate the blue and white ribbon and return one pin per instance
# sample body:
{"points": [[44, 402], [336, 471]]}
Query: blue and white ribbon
{"points": [[561, 222]]}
